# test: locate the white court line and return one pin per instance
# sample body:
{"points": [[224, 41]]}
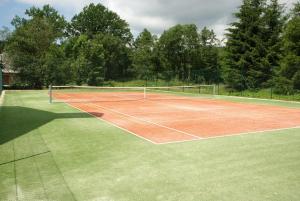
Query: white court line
{"points": [[183, 141], [229, 135], [144, 120], [262, 99], [235, 135], [197, 138], [110, 123], [124, 129]]}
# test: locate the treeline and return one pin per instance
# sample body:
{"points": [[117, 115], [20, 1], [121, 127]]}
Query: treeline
{"points": [[262, 49], [97, 46]]}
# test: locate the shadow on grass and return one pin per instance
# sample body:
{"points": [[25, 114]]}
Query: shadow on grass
{"points": [[16, 121]]}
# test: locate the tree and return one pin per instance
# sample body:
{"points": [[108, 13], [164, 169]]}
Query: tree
{"points": [[117, 57], [143, 55], [96, 19], [27, 46], [52, 16], [87, 59], [33, 41], [272, 36], [56, 67], [290, 68], [246, 49], [178, 47], [209, 60], [4, 35]]}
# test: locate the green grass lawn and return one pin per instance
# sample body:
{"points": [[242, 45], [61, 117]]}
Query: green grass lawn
{"points": [[55, 152]]}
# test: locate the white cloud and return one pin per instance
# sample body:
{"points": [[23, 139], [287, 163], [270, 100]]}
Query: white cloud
{"points": [[158, 15], [67, 4]]}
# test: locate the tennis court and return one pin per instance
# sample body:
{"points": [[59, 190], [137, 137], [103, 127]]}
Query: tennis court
{"points": [[161, 117], [57, 152]]}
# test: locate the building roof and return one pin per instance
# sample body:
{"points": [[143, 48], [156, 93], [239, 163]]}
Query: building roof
{"points": [[9, 71]]}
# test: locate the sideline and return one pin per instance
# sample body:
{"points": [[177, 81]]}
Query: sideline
{"points": [[261, 99]]}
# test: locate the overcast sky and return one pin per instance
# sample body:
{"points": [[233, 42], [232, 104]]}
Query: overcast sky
{"points": [[155, 15]]}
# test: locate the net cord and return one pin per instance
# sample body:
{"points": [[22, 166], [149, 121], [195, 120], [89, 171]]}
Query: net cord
{"points": [[50, 92]]}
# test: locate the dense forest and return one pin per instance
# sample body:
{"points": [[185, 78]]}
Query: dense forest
{"points": [[261, 50]]}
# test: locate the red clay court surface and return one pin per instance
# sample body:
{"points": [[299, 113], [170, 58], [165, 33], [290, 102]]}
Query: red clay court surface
{"points": [[171, 119]]}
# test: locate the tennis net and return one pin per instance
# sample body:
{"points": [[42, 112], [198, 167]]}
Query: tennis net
{"points": [[115, 94]]}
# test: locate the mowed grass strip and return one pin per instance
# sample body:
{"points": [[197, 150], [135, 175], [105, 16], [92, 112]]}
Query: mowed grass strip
{"points": [[87, 159]]}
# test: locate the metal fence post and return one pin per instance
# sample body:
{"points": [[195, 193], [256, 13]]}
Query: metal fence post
{"points": [[50, 93]]}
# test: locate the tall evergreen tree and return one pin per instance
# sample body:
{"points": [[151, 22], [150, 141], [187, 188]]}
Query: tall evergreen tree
{"points": [[290, 68], [245, 47], [274, 21]]}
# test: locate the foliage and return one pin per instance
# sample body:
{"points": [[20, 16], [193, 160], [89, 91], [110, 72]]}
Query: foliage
{"points": [[30, 44], [290, 68], [274, 21], [283, 86], [179, 46], [97, 47], [209, 66], [4, 34], [253, 47], [87, 59], [27, 47], [143, 55], [56, 68], [107, 38], [57, 21], [95, 19]]}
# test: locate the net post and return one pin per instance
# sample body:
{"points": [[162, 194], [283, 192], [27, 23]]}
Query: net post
{"points": [[50, 93], [145, 92]]}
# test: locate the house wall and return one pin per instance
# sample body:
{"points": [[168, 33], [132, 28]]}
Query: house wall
{"points": [[8, 78]]}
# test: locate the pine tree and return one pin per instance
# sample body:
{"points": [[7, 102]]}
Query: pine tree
{"points": [[290, 68], [274, 23], [245, 47]]}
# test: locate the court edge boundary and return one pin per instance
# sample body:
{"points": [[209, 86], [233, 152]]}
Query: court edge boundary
{"points": [[183, 141]]}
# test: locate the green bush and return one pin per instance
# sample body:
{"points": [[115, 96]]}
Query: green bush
{"points": [[283, 86], [296, 80]]}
